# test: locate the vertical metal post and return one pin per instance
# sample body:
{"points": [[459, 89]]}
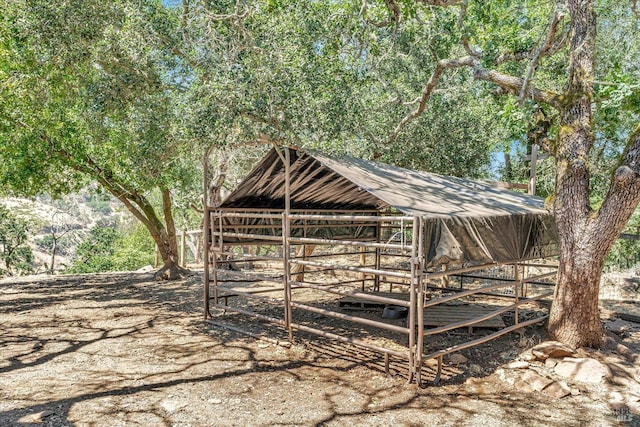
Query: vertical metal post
{"points": [[413, 372], [420, 297], [183, 244], [516, 276], [206, 234], [376, 280], [219, 250], [286, 235], [362, 262], [532, 175]]}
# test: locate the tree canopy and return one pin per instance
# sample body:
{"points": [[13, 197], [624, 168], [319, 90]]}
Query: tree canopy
{"points": [[131, 93]]}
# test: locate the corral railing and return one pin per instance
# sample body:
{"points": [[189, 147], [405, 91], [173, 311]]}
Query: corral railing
{"points": [[327, 274]]}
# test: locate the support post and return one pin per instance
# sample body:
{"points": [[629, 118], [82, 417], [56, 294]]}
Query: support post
{"points": [[413, 371], [206, 233], [286, 249], [517, 282], [419, 276], [532, 175], [183, 244], [362, 262], [376, 280]]}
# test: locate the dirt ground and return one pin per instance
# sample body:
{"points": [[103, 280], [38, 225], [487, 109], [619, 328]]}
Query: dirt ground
{"points": [[125, 350]]}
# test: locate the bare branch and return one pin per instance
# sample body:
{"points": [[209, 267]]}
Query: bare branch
{"points": [[185, 13], [513, 84], [460, 24], [463, 13], [442, 65], [624, 191], [443, 3], [509, 83], [557, 44], [555, 19]]}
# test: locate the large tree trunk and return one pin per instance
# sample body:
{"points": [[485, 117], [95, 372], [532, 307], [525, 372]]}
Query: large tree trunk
{"points": [[574, 318], [167, 242], [585, 235], [164, 234]]}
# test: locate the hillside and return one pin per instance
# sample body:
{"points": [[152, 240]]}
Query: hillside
{"points": [[69, 219]]}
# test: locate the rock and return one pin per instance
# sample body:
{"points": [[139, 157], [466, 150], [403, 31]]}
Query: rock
{"points": [[473, 381], [215, 401], [37, 417], [555, 349], [506, 377], [523, 386], [527, 356], [575, 391], [619, 326], [551, 362], [536, 381], [457, 359], [584, 370], [518, 364], [171, 405], [631, 398], [476, 369], [607, 314], [557, 389]]}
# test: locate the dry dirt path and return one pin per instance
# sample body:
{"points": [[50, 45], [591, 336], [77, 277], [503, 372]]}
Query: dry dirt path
{"points": [[124, 350]]}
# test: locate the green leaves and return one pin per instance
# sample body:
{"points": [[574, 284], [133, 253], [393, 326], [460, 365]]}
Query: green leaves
{"points": [[109, 249], [15, 254]]}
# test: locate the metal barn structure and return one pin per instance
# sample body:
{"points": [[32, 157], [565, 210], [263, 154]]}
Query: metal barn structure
{"points": [[346, 248]]}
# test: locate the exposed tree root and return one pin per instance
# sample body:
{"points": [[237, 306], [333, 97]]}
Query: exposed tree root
{"points": [[172, 272]]}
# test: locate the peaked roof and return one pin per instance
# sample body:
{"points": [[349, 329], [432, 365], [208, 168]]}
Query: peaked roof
{"points": [[323, 182]]}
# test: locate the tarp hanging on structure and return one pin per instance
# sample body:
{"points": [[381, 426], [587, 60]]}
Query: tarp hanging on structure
{"points": [[466, 221]]}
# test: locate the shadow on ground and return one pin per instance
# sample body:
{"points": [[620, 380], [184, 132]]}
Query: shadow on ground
{"points": [[123, 349]]}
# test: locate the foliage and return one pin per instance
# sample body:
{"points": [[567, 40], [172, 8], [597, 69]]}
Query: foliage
{"points": [[87, 97], [99, 203], [109, 249], [315, 74], [625, 253], [94, 253], [133, 249], [15, 253]]}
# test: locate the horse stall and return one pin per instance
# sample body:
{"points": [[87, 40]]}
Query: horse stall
{"points": [[408, 264]]}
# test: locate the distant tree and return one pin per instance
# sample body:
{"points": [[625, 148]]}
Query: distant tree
{"points": [[109, 248], [94, 253], [15, 253]]}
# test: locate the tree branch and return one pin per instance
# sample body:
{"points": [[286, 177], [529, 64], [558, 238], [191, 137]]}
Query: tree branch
{"points": [[509, 83], [443, 3], [556, 17], [513, 84], [558, 43], [442, 65], [624, 191]]}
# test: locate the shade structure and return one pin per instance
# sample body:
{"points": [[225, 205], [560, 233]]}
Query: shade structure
{"points": [[466, 221]]}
